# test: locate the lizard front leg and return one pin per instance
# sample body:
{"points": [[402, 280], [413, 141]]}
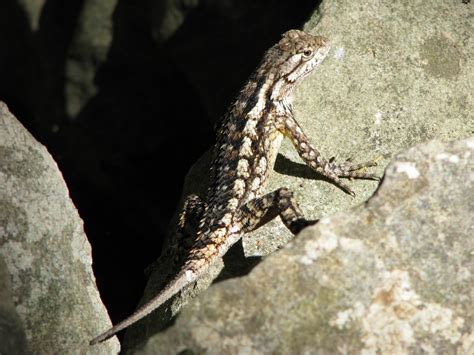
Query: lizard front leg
{"points": [[328, 168], [281, 202]]}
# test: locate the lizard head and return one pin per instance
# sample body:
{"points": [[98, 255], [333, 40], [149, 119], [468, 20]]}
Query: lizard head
{"points": [[304, 52], [290, 60]]}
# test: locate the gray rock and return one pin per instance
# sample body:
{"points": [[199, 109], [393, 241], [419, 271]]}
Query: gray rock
{"points": [[398, 74], [391, 276], [12, 331], [32, 10], [168, 16], [47, 254], [87, 52], [383, 89]]}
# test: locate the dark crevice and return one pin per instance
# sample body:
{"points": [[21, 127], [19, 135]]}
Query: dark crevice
{"points": [[125, 154]]}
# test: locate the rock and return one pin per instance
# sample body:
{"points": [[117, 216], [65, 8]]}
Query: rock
{"points": [[87, 52], [168, 16], [390, 82], [12, 331], [32, 11], [378, 93], [391, 276], [45, 249]]}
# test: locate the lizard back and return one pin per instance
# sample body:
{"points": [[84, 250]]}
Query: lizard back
{"points": [[246, 147], [249, 138]]}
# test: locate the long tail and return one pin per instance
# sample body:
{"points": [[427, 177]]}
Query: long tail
{"points": [[181, 280]]}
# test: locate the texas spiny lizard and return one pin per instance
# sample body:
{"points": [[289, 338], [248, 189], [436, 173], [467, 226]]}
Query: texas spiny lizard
{"points": [[248, 141]]}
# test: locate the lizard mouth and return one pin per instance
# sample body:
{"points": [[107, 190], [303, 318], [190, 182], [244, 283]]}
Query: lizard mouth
{"points": [[318, 58], [322, 53]]}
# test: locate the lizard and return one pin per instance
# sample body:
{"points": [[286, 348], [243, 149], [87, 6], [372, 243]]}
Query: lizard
{"points": [[246, 146]]}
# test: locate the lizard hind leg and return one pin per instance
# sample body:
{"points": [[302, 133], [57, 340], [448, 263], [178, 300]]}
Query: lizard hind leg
{"points": [[182, 237], [280, 202], [191, 214]]}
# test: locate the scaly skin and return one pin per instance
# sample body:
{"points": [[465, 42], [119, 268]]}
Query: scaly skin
{"points": [[247, 144]]}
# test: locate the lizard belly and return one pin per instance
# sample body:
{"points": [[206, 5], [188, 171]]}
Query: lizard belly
{"points": [[275, 143]]}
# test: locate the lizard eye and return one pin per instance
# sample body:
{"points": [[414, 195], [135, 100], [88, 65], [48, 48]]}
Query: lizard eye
{"points": [[307, 53]]}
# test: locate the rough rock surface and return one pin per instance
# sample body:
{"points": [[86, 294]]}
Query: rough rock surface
{"points": [[12, 333], [46, 252], [399, 74], [391, 276], [87, 52]]}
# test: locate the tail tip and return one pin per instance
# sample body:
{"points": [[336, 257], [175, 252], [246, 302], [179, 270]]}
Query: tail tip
{"points": [[101, 338]]}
